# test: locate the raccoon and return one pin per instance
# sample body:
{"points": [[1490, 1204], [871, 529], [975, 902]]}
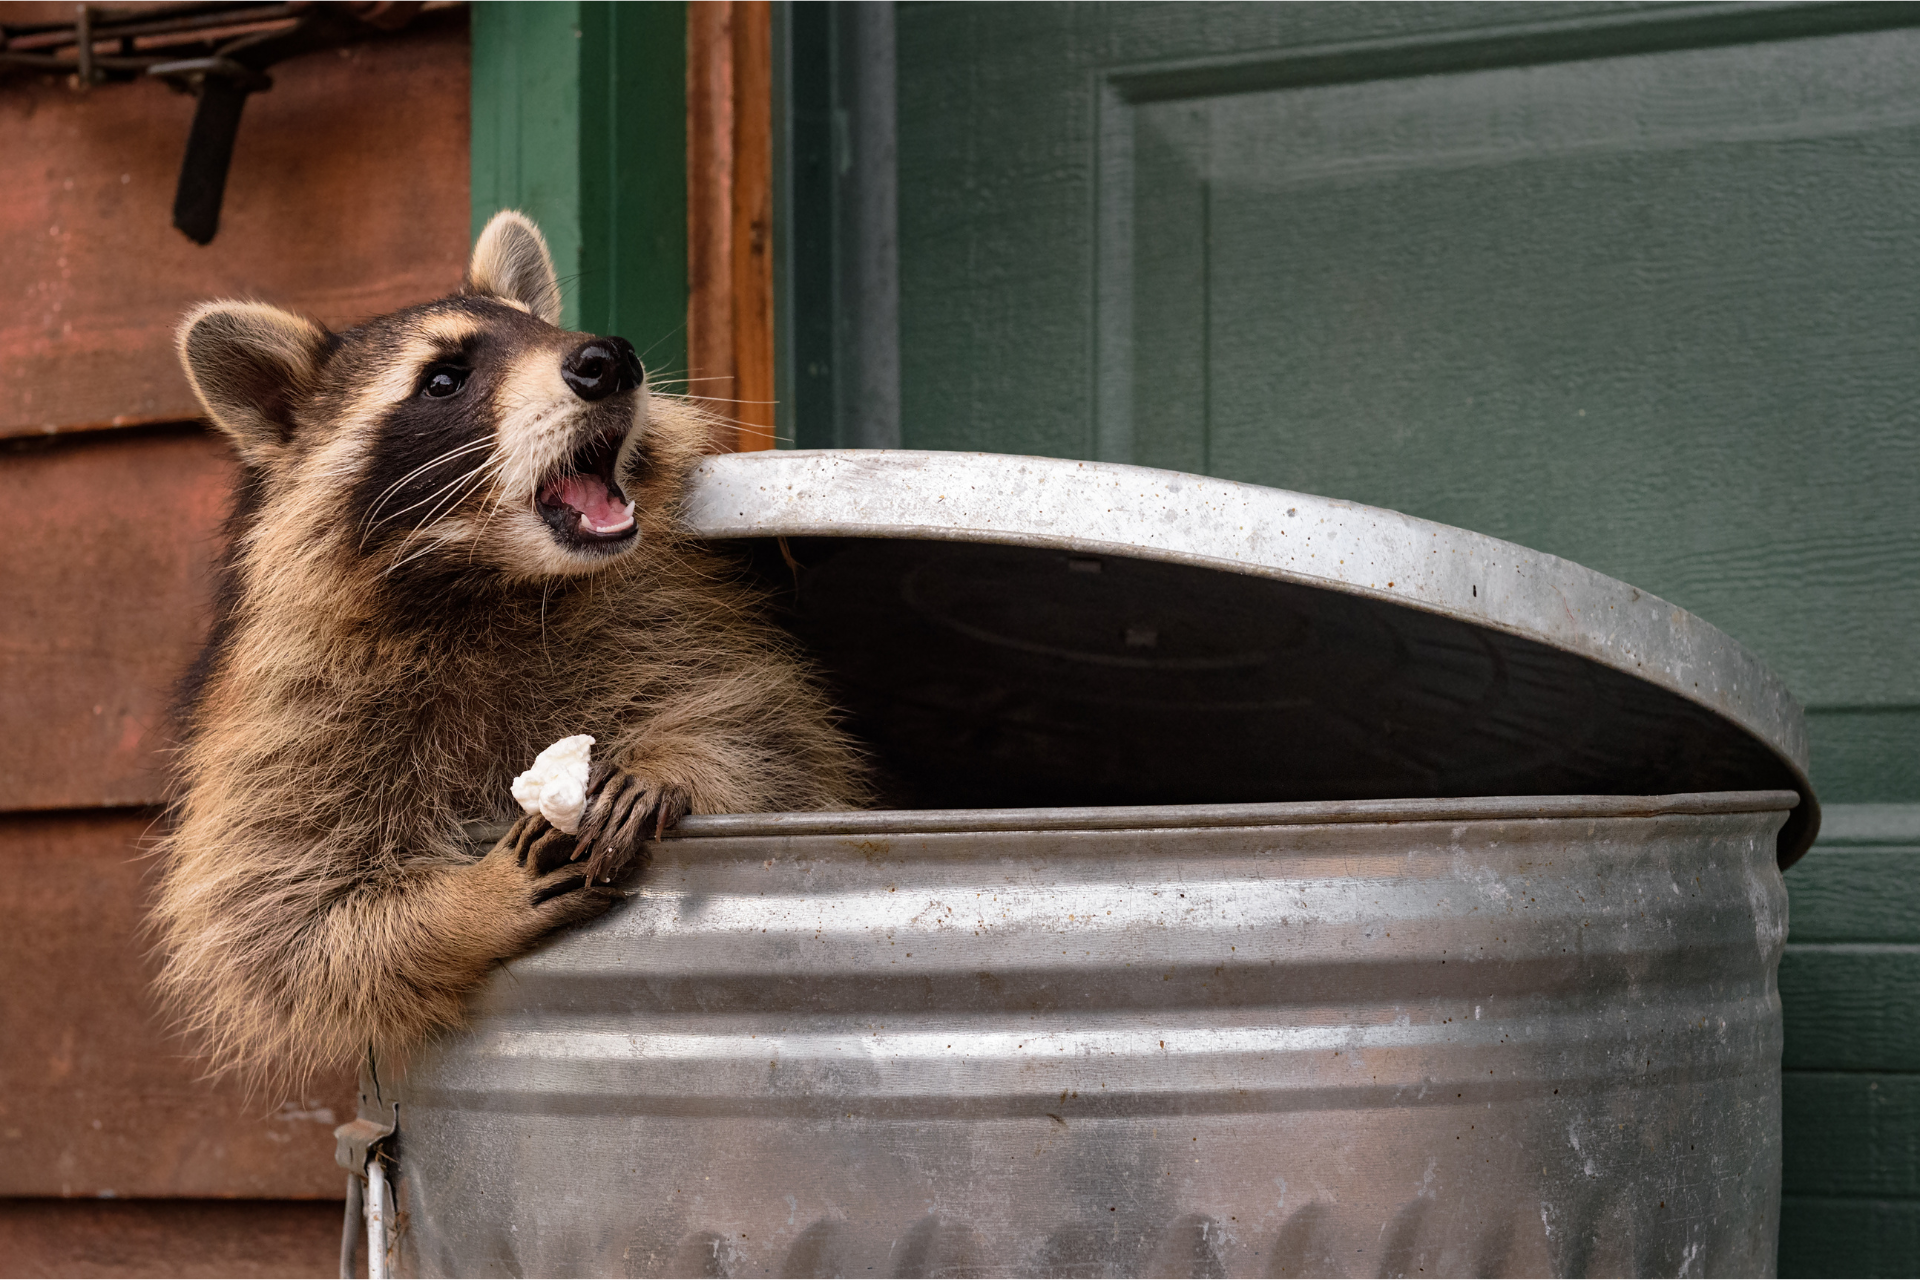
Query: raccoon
{"points": [[453, 542]]}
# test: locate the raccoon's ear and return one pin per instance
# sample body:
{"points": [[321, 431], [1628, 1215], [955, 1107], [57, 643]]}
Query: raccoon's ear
{"points": [[250, 364], [511, 262]]}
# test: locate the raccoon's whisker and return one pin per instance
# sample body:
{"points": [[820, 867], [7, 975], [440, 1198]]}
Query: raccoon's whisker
{"points": [[659, 379], [725, 421], [430, 547], [368, 525], [403, 555], [469, 482], [434, 496], [450, 454], [458, 480], [677, 329], [492, 509], [485, 524], [545, 587]]}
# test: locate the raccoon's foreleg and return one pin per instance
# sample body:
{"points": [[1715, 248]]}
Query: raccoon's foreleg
{"points": [[428, 945], [279, 977]]}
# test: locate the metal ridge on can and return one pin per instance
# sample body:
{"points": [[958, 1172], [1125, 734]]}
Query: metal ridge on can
{"points": [[1532, 1036]]}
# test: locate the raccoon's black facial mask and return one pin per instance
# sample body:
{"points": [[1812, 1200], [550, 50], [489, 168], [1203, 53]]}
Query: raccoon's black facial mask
{"points": [[469, 435], [509, 421], [431, 453]]}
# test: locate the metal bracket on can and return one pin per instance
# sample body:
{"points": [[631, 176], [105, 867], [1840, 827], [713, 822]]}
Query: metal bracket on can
{"points": [[357, 1150]]}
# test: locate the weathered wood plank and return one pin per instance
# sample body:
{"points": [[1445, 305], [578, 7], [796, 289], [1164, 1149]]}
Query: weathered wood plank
{"points": [[730, 218], [170, 1237], [96, 1098], [109, 547], [710, 104], [339, 203], [1852, 1006]]}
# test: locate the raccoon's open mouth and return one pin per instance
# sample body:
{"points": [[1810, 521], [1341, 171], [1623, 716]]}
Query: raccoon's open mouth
{"points": [[582, 503]]}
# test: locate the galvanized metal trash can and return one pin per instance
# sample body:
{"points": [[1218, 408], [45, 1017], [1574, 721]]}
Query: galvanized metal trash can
{"points": [[1280, 887]]}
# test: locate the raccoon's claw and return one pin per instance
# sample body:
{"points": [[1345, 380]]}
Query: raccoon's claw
{"points": [[566, 879], [533, 865], [537, 844], [625, 811]]}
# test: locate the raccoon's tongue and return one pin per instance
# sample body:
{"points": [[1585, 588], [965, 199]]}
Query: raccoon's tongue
{"points": [[599, 511]]}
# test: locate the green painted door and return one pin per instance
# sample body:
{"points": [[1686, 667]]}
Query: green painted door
{"points": [[579, 120], [1637, 285]]}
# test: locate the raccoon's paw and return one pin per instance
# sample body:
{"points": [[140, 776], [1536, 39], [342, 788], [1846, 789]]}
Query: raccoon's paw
{"points": [[624, 811], [535, 863]]}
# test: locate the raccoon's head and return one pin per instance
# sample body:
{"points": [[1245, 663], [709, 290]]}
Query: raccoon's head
{"points": [[469, 434]]}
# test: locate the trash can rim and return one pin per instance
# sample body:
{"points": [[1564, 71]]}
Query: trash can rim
{"points": [[1106, 508], [1173, 817], [1179, 816]]}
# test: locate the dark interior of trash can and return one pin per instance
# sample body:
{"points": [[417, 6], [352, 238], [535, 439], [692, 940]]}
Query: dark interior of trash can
{"points": [[987, 676]]}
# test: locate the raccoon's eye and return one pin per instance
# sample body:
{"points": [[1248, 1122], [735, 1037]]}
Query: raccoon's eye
{"points": [[443, 380]]}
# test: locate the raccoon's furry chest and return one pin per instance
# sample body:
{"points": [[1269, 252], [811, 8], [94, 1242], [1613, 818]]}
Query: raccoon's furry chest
{"points": [[409, 728]]}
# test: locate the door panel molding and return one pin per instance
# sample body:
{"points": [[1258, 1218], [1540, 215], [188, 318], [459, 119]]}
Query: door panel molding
{"points": [[1575, 38]]}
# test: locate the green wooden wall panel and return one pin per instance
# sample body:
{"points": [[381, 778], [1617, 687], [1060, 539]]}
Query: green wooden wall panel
{"points": [[1852, 1137], [1855, 896], [1613, 332], [1865, 753], [999, 113], [526, 123], [579, 120], [1820, 1236], [1640, 304], [1851, 1006], [1851, 1133], [1630, 284], [634, 181]]}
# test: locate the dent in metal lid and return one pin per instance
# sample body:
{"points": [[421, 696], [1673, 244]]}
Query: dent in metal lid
{"points": [[1014, 632]]}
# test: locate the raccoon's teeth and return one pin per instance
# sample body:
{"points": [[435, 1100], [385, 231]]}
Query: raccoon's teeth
{"points": [[593, 502], [619, 526]]}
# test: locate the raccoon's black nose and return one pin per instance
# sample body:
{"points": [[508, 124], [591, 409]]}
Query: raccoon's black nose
{"points": [[601, 366]]}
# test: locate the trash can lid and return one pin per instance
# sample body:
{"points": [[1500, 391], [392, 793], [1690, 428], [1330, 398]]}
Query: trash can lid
{"points": [[1010, 631]]}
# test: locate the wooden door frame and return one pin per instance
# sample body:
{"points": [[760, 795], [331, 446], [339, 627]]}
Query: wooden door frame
{"points": [[640, 138]]}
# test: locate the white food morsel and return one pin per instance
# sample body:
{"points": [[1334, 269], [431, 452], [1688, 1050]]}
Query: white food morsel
{"points": [[556, 786]]}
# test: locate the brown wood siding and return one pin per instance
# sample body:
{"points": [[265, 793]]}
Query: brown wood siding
{"points": [[347, 197], [752, 228], [110, 543], [169, 1238], [730, 216], [96, 1098]]}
